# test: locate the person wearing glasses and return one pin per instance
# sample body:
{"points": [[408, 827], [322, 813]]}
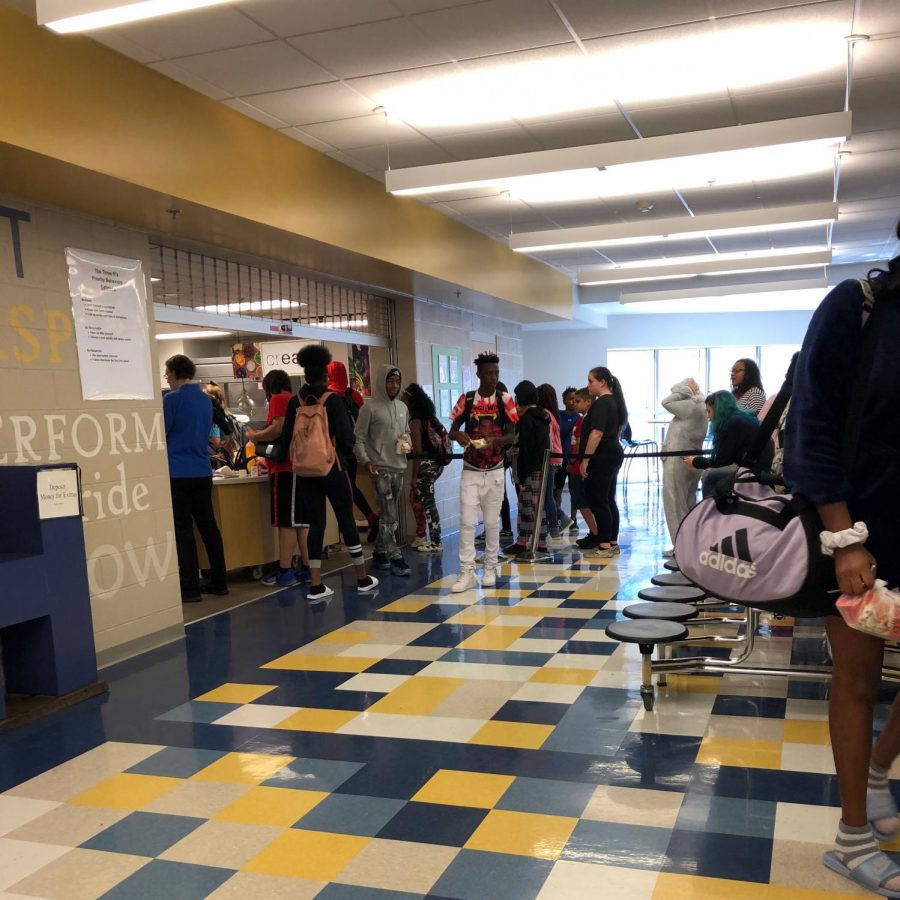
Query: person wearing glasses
{"points": [[746, 385]]}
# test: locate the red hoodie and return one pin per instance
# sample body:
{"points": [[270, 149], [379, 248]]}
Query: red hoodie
{"points": [[338, 381]]}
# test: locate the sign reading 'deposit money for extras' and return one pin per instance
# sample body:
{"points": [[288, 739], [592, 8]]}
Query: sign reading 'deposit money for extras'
{"points": [[109, 307]]}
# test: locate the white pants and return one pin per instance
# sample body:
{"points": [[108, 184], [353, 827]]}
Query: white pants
{"points": [[679, 492], [480, 493]]}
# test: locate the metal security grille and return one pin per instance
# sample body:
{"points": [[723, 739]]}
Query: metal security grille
{"points": [[188, 279]]}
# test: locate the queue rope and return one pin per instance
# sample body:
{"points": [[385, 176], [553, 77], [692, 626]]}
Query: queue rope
{"points": [[660, 454]]}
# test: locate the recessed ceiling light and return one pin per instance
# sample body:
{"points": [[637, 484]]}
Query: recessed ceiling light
{"points": [[70, 16], [190, 335], [251, 306]]}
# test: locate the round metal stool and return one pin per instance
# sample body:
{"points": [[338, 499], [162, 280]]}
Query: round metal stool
{"points": [[669, 612], [671, 565], [646, 633], [676, 594], [671, 579]]}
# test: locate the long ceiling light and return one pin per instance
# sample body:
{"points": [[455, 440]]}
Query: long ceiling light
{"points": [[710, 264], [69, 16], [189, 335], [818, 283], [251, 306], [648, 231], [737, 154]]}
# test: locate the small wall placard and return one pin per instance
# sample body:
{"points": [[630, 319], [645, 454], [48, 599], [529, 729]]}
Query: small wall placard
{"points": [[58, 494]]}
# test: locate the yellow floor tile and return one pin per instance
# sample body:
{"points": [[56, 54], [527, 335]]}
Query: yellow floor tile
{"points": [[127, 791], [237, 693], [523, 610], [804, 731], [406, 606], [271, 806], [593, 594], [310, 719], [476, 789], [315, 855], [513, 734], [563, 676], [524, 834], [299, 661], [243, 768], [475, 615], [418, 696], [494, 637], [696, 887], [734, 752], [505, 592], [346, 635], [695, 684]]}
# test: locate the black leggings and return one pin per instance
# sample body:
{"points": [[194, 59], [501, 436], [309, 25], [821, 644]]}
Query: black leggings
{"points": [[358, 497], [192, 503], [335, 488], [603, 471]]}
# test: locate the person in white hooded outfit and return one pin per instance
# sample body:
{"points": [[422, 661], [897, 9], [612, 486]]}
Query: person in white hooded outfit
{"points": [[686, 432]]}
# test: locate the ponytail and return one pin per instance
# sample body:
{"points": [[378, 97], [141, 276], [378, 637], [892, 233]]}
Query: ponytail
{"points": [[884, 282], [601, 373]]}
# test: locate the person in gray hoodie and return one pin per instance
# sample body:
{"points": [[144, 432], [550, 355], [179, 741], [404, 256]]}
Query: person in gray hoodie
{"points": [[686, 432], [382, 442]]}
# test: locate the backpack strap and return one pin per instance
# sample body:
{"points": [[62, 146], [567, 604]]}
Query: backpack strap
{"points": [[324, 397], [467, 409], [773, 417]]}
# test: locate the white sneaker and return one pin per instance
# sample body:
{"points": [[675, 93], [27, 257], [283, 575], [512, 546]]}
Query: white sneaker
{"points": [[437, 549], [370, 584], [668, 554], [466, 582], [489, 579], [419, 542]]}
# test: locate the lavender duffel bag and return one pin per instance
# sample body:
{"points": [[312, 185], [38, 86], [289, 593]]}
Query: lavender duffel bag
{"points": [[756, 547]]}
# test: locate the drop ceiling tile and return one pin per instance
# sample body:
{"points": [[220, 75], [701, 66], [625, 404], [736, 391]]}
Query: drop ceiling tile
{"points": [[316, 103], [402, 155], [302, 137], [368, 49], [363, 131], [199, 31], [271, 66], [874, 103], [876, 57], [410, 7], [874, 175], [665, 205], [744, 7], [124, 45], [767, 106], [496, 26], [677, 118], [873, 141], [597, 18], [879, 17], [496, 142], [188, 79], [292, 17], [248, 109], [817, 188], [581, 131]]}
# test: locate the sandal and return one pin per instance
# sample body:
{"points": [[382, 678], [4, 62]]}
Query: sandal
{"points": [[881, 805], [873, 874]]}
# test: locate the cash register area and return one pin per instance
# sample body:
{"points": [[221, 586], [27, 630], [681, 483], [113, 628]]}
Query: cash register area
{"points": [[419, 743]]}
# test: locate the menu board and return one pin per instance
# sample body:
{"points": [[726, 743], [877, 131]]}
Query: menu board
{"points": [[109, 307]]}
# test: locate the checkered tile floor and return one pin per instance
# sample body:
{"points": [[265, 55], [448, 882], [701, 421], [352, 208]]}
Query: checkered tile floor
{"points": [[484, 745]]}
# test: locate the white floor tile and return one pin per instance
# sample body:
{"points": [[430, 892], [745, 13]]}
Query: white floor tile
{"points": [[377, 682], [807, 758], [486, 671], [371, 650], [806, 823], [16, 811], [257, 715], [536, 645], [584, 881], [549, 693], [423, 728], [24, 858]]}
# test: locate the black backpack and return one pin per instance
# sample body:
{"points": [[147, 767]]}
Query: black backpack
{"points": [[350, 403]]}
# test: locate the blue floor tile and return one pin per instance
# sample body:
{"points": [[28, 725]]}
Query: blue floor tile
{"points": [[543, 795], [143, 834], [354, 892], [177, 762], [433, 823], [351, 814], [590, 648], [445, 636], [613, 844], [764, 784], [808, 690], [765, 707], [162, 880], [385, 778], [314, 774], [712, 855], [552, 593], [398, 666], [532, 712], [198, 711], [727, 815], [477, 875]]}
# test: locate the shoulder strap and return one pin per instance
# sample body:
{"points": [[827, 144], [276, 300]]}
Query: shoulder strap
{"points": [[871, 316], [467, 410], [324, 397], [773, 417]]}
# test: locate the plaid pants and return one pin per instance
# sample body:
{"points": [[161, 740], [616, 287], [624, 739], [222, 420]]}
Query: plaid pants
{"points": [[421, 498], [528, 503]]}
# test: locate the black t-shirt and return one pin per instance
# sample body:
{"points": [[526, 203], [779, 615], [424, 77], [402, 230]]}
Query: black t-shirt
{"points": [[602, 416]]}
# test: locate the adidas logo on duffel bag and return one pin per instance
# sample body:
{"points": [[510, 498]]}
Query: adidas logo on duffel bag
{"points": [[725, 559]]}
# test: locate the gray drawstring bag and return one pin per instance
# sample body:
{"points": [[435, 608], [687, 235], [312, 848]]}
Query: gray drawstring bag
{"points": [[757, 547]]}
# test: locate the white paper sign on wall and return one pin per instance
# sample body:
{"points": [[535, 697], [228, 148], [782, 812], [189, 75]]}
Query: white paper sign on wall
{"points": [[109, 307], [58, 493]]}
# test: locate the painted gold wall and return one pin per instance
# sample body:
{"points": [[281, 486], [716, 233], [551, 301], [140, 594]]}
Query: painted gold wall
{"points": [[74, 100]]}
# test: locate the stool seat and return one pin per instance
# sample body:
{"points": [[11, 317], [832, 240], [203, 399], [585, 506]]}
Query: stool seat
{"points": [[671, 565], [646, 631], [671, 579], [670, 612], [675, 594]]}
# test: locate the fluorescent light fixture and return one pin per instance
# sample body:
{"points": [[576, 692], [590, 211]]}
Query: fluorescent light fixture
{"points": [[154, 279], [723, 58], [648, 231], [708, 264], [251, 306], [720, 293], [345, 323], [190, 335], [735, 155], [69, 16], [782, 301]]}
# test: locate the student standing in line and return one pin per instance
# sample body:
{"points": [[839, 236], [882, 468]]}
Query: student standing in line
{"points": [[334, 486], [188, 417], [568, 416], [423, 422], [746, 385], [557, 520], [581, 404], [483, 422], [287, 511], [532, 441], [600, 444], [353, 400], [382, 442]]}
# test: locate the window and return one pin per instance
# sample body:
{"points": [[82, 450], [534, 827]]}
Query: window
{"points": [[675, 365], [721, 359], [774, 360]]}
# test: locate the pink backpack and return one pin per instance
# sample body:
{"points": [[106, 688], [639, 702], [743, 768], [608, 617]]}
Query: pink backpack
{"points": [[312, 449]]}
